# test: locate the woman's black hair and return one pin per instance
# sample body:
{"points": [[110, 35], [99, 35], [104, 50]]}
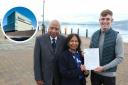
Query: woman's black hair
{"points": [[69, 38]]}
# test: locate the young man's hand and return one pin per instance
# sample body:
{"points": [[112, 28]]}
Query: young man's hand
{"points": [[40, 82], [99, 69]]}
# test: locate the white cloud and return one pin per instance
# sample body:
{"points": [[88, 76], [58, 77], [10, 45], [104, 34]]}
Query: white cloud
{"points": [[69, 10]]}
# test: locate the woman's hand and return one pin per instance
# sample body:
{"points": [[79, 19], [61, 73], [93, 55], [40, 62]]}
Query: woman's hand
{"points": [[83, 68]]}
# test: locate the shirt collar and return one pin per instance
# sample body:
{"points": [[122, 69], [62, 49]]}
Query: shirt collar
{"points": [[105, 31], [53, 38]]}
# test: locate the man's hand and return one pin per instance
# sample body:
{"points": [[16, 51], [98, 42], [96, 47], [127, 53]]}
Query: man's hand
{"points": [[40, 82], [99, 69]]}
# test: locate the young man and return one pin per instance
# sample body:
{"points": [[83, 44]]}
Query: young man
{"points": [[110, 47], [47, 49]]}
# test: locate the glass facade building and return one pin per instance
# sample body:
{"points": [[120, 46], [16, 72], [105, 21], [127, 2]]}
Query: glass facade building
{"points": [[17, 22]]}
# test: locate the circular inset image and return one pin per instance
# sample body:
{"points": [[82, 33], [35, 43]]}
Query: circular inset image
{"points": [[19, 24]]}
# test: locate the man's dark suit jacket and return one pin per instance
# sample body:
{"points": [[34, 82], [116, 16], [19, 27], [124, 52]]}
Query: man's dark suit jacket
{"points": [[46, 60]]}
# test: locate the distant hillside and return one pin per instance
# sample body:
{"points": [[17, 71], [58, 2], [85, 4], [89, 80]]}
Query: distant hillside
{"points": [[123, 25]]}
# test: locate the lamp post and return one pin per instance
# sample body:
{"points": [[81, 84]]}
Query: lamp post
{"points": [[43, 26]]}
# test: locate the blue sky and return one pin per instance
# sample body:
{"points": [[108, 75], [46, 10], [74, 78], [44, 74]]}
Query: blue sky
{"points": [[24, 11]]}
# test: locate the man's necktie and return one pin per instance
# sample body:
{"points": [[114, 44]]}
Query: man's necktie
{"points": [[53, 44]]}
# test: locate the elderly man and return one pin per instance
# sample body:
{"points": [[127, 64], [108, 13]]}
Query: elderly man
{"points": [[47, 49]]}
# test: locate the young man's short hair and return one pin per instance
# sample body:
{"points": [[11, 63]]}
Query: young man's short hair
{"points": [[106, 12]]}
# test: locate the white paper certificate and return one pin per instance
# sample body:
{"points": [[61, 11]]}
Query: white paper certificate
{"points": [[91, 58]]}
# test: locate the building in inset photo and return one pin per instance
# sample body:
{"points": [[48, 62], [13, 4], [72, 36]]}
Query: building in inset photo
{"points": [[17, 22]]}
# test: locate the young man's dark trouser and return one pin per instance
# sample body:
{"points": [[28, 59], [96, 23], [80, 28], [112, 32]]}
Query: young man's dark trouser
{"points": [[97, 79]]}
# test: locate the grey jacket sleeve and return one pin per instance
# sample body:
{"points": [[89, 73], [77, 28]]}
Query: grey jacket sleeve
{"points": [[37, 61], [119, 51]]}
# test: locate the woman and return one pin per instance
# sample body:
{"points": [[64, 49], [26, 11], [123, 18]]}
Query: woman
{"points": [[71, 62]]}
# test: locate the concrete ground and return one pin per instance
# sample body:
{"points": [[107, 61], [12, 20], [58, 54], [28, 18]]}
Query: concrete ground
{"points": [[16, 63]]}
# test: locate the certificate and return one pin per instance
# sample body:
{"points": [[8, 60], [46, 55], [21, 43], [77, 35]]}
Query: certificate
{"points": [[91, 58]]}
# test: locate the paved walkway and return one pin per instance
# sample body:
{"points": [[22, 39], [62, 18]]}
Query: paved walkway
{"points": [[16, 64]]}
